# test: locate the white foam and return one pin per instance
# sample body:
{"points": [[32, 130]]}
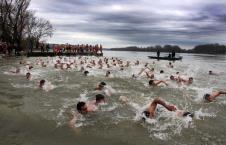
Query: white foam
{"points": [[200, 114], [22, 85], [48, 86]]}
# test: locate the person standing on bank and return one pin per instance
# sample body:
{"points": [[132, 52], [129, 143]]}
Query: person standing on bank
{"points": [[158, 53], [173, 54]]}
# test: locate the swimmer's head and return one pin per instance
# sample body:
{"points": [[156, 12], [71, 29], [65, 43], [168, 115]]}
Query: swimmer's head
{"points": [[190, 80], [134, 76], [86, 73], [108, 73], [207, 97], [151, 82], [172, 77], [177, 73], [210, 72], [185, 114], [42, 83], [101, 85], [100, 98], [30, 67], [145, 115], [82, 108], [161, 71]]}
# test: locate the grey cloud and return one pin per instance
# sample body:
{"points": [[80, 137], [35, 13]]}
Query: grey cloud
{"points": [[142, 27]]}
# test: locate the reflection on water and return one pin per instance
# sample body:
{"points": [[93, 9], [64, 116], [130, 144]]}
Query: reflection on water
{"points": [[30, 115]]}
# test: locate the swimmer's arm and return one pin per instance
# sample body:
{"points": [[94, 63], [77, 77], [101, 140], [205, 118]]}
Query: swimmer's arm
{"points": [[216, 94], [149, 69], [159, 82], [163, 103], [148, 75], [142, 70], [72, 122]]}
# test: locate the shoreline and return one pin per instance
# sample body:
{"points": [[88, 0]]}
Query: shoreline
{"points": [[168, 52]]}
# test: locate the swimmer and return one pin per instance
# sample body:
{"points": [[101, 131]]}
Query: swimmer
{"points": [[127, 64], [41, 83], [15, 71], [157, 83], [186, 82], [43, 64], [86, 73], [137, 62], [170, 65], [108, 74], [30, 67], [82, 69], [87, 107], [211, 73], [174, 78], [100, 86], [108, 65], [84, 108], [150, 112], [28, 76], [134, 76], [213, 96]]}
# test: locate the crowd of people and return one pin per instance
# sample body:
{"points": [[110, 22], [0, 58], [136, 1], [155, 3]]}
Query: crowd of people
{"points": [[7, 48], [103, 90], [72, 49]]}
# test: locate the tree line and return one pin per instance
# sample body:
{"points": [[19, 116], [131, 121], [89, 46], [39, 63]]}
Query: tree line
{"points": [[206, 49], [20, 27]]}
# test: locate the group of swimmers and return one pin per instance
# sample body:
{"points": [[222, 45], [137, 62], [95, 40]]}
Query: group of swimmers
{"points": [[86, 64], [87, 107]]}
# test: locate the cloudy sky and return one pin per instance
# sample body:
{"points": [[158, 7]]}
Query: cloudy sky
{"points": [[120, 23]]}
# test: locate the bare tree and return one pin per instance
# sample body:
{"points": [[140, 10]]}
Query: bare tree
{"points": [[38, 28], [43, 29], [17, 23]]}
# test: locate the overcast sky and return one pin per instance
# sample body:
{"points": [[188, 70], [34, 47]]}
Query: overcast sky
{"points": [[116, 23]]}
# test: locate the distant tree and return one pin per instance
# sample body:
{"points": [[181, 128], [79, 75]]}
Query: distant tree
{"points": [[210, 48]]}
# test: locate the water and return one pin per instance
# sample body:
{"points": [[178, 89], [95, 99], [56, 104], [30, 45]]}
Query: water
{"points": [[30, 116]]}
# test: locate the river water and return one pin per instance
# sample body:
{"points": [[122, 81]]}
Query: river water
{"points": [[31, 116]]}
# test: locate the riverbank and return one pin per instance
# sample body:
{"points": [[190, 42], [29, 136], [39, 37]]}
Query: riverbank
{"points": [[199, 49]]}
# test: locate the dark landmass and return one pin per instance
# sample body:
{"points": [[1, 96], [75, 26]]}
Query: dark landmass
{"points": [[202, 49]]}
